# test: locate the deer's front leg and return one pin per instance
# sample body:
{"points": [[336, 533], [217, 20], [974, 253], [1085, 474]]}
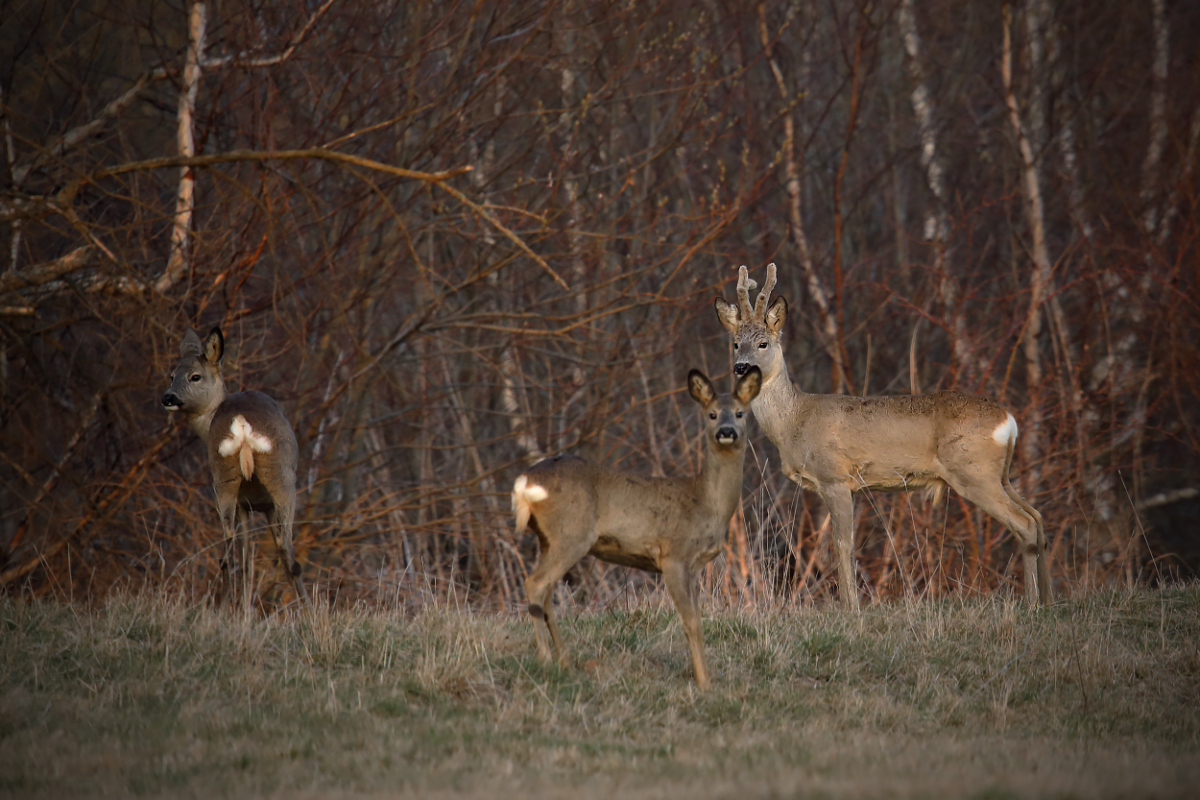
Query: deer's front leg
{"points": [[681, 585], [840, 503]]}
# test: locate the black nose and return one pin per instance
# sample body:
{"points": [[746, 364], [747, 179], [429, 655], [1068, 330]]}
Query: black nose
{"points": [[726, 432], [741, 368], [169, 399]]}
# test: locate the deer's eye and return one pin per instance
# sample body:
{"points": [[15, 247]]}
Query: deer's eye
{"points": [[712, 416], [194, 377], [739, 415], [735, 345], [762, 345]]}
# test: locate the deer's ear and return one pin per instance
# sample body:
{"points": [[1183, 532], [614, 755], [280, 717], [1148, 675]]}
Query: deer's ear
{"points": [[214, 346], [748, 386], [190, 346], [776, 314], [700, 388], [727, 313]]}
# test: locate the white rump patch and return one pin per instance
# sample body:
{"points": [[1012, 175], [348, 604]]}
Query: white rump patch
{"points": [[1006, 431], [241, 433], [524, 491]]}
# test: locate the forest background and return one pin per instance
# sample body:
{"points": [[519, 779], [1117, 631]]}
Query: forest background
{"points": [[452, 237]]}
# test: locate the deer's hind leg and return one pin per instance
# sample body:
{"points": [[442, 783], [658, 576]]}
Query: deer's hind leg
{"points": [[1045, 590], [1000, 501], [280, 519], [558, 554]]}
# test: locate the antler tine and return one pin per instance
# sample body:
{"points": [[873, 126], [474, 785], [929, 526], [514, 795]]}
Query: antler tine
{"points": [[744, 285], [760, 304]]}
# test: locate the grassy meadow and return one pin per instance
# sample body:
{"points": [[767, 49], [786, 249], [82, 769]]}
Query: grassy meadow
{"points": [[146, 695]]}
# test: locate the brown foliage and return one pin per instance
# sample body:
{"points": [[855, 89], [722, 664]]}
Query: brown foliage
{"points": [[430, 330]]}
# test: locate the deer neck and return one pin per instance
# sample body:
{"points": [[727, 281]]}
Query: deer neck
{"points": [[202, 421], [719, 482], [777, 404]]}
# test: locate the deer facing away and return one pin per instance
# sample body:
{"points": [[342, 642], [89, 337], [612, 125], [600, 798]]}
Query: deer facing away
{"points": [[837, 445], [673, 526], [252, 454]]}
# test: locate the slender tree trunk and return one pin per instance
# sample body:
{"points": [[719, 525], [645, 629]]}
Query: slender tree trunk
{"points": [[937, 218], [1040, 277], [177, 261], [10, 159], [1152, 165], [792, 174]]}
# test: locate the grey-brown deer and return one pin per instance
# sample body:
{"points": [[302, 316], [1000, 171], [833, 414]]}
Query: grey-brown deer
{"points": [[672, 526], [837, 445], [252, 455]]}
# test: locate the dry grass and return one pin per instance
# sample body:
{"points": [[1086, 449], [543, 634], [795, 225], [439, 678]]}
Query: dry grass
{"points": [[150, 696]]}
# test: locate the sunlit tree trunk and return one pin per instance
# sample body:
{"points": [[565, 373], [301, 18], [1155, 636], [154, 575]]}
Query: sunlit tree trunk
{"points": [[792, 176], [177, 260]]}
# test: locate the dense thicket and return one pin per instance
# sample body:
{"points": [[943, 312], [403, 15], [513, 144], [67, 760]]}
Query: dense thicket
{"points": [[1013, 187]]}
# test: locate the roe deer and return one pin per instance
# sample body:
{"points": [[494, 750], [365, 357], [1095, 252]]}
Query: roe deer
{"points": [[251, 453], [836, 445], [669, 525]]}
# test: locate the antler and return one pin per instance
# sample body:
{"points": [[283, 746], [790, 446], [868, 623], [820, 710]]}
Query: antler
{"points": [[760, 304], [744, 285]]}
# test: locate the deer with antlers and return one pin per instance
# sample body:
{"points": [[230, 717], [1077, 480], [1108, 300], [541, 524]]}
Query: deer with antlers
{"points": [[672, 526], [252, 454], [837, 445]]}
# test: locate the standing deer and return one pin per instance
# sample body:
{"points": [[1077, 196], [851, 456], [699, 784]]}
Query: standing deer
{"points": [[673, 526], [251, 453], [837, 445]]}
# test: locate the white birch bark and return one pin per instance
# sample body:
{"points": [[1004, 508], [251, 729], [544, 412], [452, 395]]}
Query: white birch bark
{"points": [[1152, 166], [1040, 276], [792, 178], [1070, 159], [1185, 175], [1117, 369], [1038, 21], [937, 220], [186, 145], [568, 93]]}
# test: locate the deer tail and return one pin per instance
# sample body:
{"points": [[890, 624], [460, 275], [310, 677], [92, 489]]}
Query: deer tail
{"points": [[524, 495], [246, 460], [245, 441]]}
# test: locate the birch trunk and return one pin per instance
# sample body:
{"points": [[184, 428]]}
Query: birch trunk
{"points": [[1040, 278], [1152, 166], [792, 176], [177, 261], [937, 218]]}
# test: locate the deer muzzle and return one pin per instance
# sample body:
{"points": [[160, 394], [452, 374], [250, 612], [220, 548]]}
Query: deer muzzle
{"points": [[726, 435], [741, 368], [170, 402]]}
